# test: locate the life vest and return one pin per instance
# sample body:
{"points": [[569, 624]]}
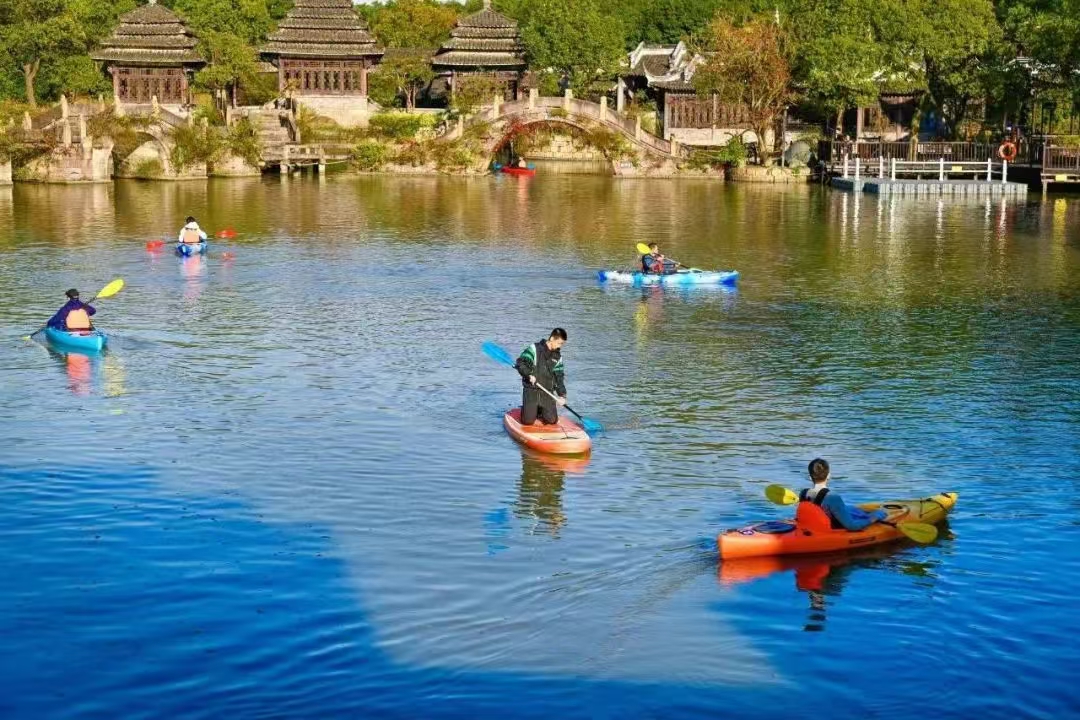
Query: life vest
{"points": [[810, 516], [191, 236], [78, 320]]}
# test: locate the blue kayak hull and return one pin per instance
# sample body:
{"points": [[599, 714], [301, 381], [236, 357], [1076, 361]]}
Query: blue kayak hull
{"points": [[88, 340], [189, 249], [680, 279]]}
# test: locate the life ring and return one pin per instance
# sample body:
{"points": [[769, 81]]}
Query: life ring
{"points": [[1007, 151]]}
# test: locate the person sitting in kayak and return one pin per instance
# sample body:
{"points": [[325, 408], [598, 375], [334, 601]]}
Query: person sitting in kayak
{"points": [[75, 315], [656, 264], [540, 366], [191, 233], [821, 509]]}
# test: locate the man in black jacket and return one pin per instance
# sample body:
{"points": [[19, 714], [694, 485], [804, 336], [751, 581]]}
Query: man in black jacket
{"points": [[540, 366]]}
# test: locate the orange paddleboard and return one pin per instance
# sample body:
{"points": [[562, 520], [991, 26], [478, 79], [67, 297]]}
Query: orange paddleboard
{"points": [[565, 438]]}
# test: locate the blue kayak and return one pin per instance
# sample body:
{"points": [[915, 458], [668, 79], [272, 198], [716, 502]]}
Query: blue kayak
{"points": [[88, 340], [679, 279], [189, 249]]}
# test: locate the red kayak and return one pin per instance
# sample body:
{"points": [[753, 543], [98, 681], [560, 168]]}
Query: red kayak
{"points": [[525, 172], [566, 438]]}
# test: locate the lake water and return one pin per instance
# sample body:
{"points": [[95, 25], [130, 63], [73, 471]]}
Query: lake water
{"points": [[285, 491]]}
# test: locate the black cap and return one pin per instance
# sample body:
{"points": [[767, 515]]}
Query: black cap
{"points": [[72, 293], [190, 220]]}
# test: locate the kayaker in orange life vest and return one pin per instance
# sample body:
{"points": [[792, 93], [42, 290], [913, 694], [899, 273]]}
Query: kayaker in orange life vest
{"points": [[540, 364], [75, 315], [821, 509], [656, 264]]}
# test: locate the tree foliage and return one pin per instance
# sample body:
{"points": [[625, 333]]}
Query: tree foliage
{"points": [[407, 73], [413, 23], [573, 38], [748, 66]]}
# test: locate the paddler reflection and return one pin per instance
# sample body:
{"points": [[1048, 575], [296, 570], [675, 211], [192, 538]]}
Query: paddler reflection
{"points": [[193, 269], [79, 368], [540, 490], [823, 577]]}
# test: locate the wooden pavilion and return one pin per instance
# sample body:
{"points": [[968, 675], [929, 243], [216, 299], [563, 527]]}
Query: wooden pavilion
{"points": [[485, 43], [322, 48], [151, 54]]}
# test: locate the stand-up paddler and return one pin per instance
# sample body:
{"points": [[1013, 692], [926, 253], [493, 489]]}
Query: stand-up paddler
{"points": [[540, 364]]}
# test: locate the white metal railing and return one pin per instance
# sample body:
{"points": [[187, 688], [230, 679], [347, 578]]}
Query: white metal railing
{"points": [[892, 168]]}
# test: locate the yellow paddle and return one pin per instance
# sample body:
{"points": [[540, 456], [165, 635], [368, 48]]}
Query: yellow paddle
{"points": [[645, 250], [108, 291], [919, 532]]}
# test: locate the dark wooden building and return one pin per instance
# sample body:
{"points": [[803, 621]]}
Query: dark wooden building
{"points": [[322, 47], [484, 43], [151, 54]]}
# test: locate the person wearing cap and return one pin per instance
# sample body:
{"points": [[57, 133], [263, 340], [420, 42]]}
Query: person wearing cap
{"points": [[191, 233], [75, 315], [821, 509]]}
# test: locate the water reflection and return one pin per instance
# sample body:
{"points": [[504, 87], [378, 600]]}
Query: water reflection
{"points": [[540, 490], [87, 374], [824, 577]]}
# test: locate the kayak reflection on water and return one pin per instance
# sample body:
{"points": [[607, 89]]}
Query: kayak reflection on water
{"points": [[823, 576]]}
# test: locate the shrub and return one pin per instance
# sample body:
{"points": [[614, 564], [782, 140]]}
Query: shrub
{"points": [[411, 153], [193, 145], [242, 141], [457, 155], [149, 169], [398, 126], [125, 132], [370, 155]]}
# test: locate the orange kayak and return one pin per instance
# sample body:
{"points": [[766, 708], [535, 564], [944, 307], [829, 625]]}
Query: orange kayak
{"points": [[565, 438], [787, 538]]}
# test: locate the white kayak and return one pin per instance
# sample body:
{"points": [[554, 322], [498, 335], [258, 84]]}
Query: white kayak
{"points": [[687, 277]]}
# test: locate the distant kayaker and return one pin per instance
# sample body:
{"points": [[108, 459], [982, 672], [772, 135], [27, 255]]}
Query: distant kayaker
{"points": [[191, 233], [75, 315], [522, 164], [656, 264], [820, 508], [540, 364]]}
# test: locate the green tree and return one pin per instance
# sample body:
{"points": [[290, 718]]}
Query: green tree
{"points": [[37, 32], [249, 20], [748, 66], [573, 38], [413, 23], [232, 62], [406, 73]]}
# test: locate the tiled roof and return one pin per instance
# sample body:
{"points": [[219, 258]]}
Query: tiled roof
{"points": [[486, 39], [322, 28], [150, 35], [674, 86], [652, 65]]}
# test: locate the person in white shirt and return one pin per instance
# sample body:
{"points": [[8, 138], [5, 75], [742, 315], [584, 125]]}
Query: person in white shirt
{"points": [[191, 233]]}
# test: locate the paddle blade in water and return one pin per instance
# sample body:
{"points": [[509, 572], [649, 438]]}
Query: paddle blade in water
{"points": [[643, 249], [781, 495], [226, 233], [919, 532], [111, 289], [497, 354], [152, 244], [591, 426]]}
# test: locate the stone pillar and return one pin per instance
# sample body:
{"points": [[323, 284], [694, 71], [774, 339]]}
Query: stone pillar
{"points": [[64, 109], [568, 95], [155, 108], [65, 132], [533, 93], [620, 97], [603, 108], [637, 127], [82, 129], [363, 79], [115, 87], [284, 166], [27, 123], [5, 172], [674, 148], [460, 126], [858, 123]]}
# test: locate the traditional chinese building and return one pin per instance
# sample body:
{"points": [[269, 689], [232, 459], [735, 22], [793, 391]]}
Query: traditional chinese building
{"points": [[151, 54], [322, 48], [484, 43]]}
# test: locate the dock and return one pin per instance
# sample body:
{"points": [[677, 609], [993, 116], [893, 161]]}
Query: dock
{"points": [[968, 188]]}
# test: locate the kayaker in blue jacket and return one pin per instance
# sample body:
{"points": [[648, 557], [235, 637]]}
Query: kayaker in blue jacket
{"points": [[540, 364], [75, 315], [819, 499], [656, 264]]}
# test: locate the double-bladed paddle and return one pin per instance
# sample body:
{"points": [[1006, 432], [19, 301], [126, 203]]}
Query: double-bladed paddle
{"points": [[108, 291], [502, 357]]}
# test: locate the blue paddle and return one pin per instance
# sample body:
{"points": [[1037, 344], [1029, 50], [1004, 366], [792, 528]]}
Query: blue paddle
{"points": [[502, 357]]}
